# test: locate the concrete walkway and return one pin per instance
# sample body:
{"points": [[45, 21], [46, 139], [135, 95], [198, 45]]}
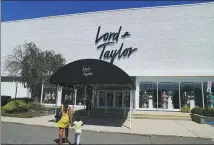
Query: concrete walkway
{"points": [[139, 126]]}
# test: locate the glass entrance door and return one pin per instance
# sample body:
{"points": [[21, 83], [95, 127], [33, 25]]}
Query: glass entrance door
{"points": [[126, 99], [119, 99], [109, 99], [101, 99]]}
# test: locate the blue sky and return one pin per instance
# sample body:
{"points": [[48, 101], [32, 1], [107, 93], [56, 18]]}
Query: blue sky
{"points": [[17, 10]]}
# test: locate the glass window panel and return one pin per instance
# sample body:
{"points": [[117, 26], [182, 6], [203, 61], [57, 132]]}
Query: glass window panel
{"points": [[68, 94], [109, 100], [168, 95], [82, 96], [118, 99], [101, 98], [148, 90], [191, 91], [49, 95], [208, 97], [127, 99]]}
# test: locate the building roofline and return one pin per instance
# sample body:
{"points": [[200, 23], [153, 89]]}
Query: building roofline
{"points": [[104, 11]]}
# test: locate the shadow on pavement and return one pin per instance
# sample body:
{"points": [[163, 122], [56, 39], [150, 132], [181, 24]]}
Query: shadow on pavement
{"points": [[63, 141], [114, 117]]}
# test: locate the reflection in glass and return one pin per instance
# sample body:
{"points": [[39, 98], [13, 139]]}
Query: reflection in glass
{"points": [[148, 95], [101, 98], [68, 94], [208, 95], [82, 96], [49, 95], [126, 99], [118, 99], [109, 99]]}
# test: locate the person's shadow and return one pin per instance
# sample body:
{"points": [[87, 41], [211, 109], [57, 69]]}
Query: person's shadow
{"points": [[63, 141]]}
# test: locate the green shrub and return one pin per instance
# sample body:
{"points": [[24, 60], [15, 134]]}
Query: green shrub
{"points": [[26, 100], [185, 109], [203, 111], [33, 106], [15, 107]]}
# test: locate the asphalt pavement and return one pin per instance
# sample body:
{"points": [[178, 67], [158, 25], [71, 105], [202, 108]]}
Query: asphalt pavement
{"points": [[24, 134]]}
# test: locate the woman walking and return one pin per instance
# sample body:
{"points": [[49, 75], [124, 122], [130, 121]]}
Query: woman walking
{"points": [[65, 121]]}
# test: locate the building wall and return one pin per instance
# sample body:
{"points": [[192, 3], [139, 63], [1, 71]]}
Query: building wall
{"points": [[9, 89], [171, 40]]}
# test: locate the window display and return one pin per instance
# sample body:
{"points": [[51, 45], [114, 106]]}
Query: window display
{"points": [[148, 95], [208, 94], [164, 98], [49, 95], [82, 94], [144, 100], [168, 95], [68, 94], [191, 94], [211, 101]]}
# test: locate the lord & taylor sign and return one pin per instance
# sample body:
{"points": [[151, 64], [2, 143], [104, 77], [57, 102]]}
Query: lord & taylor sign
{"points": [[86, 71], [109, 39]]}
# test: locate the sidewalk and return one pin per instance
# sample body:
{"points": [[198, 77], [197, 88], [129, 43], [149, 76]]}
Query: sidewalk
{"points": [[139, 126]]}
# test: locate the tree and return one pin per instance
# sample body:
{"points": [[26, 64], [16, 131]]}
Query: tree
{"points": [[33, 65]]}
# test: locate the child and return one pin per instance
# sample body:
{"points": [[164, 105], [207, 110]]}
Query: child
{"points": [[77, 125]]}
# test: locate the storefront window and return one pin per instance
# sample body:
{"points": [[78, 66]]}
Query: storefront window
{"points": [[68, 94], [83, 93], [191, 94], [49, 94], [118, 99], [208, 95], [168, 95], [148, 95]]}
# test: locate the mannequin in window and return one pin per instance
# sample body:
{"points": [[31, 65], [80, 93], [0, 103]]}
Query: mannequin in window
{"points": [[66, 97], [49, 97], [70, 99], [46, 98], [170, 100], [185, 98], [191, 99], [144, 100], [164, 97], [53, 97], [211, 100]]}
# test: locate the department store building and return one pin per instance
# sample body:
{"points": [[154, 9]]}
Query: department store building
{"points": [[168, 51]]}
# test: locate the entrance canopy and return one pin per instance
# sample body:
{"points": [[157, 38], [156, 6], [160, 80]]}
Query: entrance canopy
{"points": [[90, 71]]}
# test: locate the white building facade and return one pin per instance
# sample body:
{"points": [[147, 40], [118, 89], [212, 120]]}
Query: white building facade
{"points": [[168, 50]]}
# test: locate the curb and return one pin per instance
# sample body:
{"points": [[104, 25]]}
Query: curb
{"points": [[131, 133]]}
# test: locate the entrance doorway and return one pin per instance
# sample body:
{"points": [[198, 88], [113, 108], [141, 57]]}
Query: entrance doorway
{"points": [[117, 99]]}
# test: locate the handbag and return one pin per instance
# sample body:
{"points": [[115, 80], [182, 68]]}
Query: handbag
{"points": [[58, 114]]}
